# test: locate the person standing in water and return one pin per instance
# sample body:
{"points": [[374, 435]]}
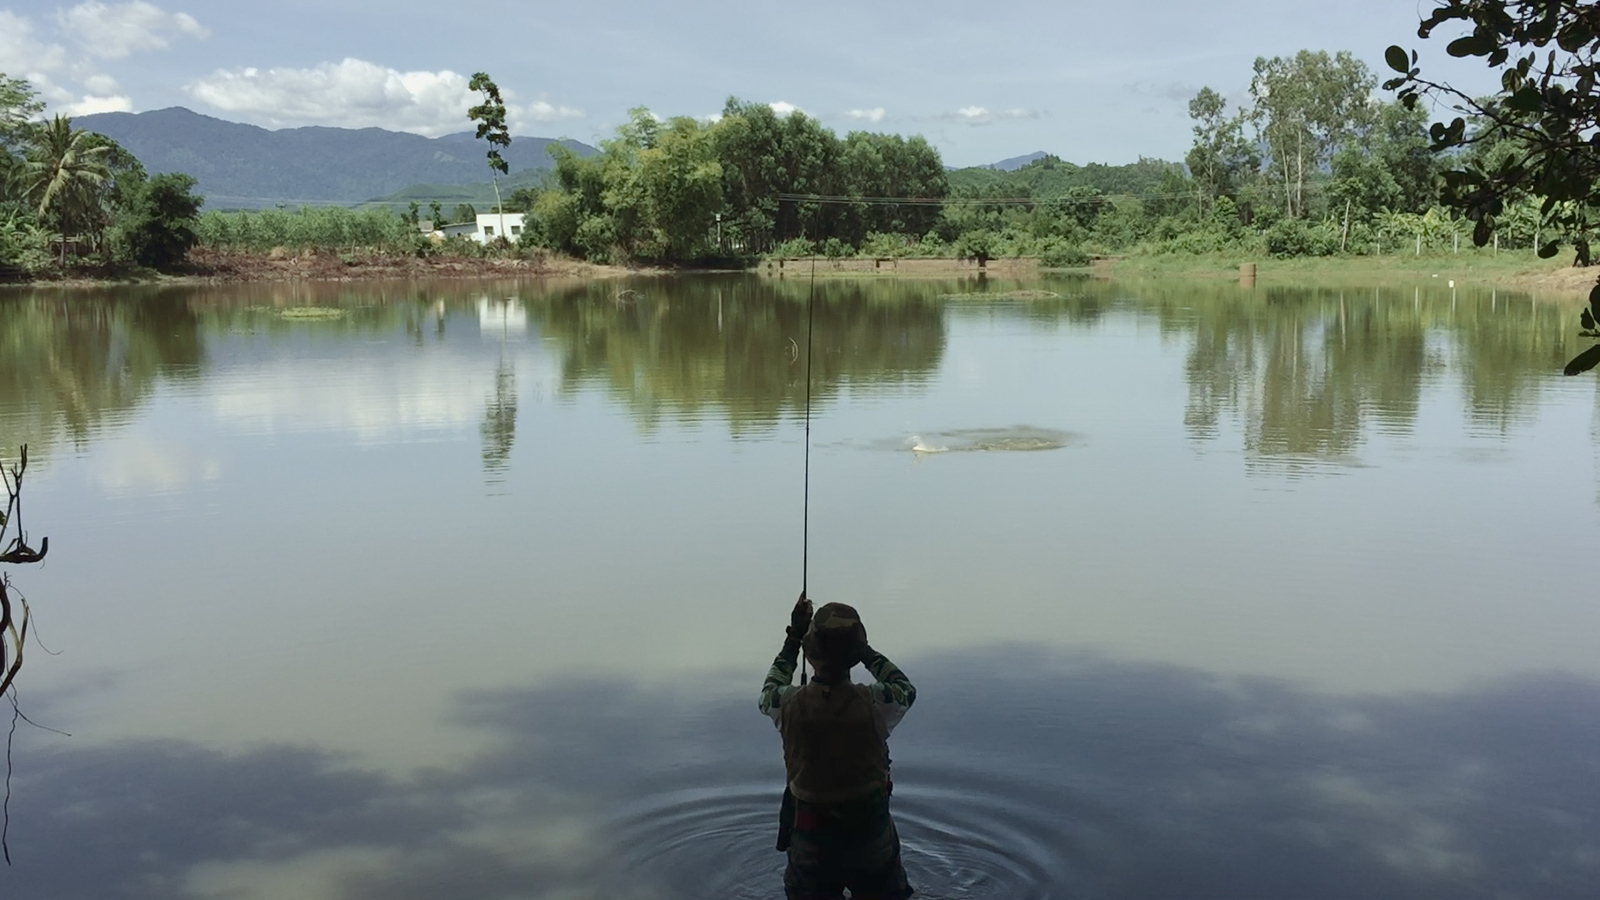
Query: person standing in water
{"points": [[835, 822]]}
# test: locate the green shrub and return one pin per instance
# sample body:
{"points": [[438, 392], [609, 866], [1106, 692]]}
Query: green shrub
{"points": [[794, 247], [1060, 254], [1293, 237], [23, 244], [596, 239], [979, 244], [157, 229], [880, 245]]}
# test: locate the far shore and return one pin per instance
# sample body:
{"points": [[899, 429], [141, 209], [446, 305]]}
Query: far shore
{"points": [[1512, 270]]}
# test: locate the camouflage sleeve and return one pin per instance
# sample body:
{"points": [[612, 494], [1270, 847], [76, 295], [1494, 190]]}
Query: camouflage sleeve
{"points": [[780, 679], [892, 693]]}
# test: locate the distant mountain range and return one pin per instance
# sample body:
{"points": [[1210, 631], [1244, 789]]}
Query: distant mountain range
{"points": [[1016, 162], [245, 167]]}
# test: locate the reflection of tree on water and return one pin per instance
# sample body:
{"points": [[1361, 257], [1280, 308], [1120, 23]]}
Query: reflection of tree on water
{"points": [[69, 364], [499, 428], [1310, 371], [690, 348]]}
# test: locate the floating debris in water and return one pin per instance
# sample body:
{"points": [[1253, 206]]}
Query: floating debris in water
{"points": [[1003, 295], [1018, 438]]}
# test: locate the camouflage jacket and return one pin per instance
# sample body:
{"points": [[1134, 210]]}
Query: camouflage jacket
{"points": [[892, 692]]}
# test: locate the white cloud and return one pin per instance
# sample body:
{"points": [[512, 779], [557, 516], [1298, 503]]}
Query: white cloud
{"points": [[355, 93], [91, 104], [101, 30], [979, 115], [543, 111], [24, 54], [783, 108], [103, 85], [115, 31], [868, 115]]}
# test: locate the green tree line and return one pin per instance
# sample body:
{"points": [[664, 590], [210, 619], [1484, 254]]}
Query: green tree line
{"points": [[1312, 162], [680, 189]]}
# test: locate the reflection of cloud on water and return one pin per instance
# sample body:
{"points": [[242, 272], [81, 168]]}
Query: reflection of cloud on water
{"points": [[1080, 774], [501, 318], [376, 399], [143, 465]]}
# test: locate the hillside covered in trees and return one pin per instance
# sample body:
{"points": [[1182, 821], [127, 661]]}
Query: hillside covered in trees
{"points": [[238, 166]]}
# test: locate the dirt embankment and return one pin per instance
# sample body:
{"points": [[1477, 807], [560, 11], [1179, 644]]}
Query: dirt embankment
{"points": [[232, 266], [236, 267], [1569, 280]]}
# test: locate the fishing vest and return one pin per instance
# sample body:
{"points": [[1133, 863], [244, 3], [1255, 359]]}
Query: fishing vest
{"points": [[834, 745]]}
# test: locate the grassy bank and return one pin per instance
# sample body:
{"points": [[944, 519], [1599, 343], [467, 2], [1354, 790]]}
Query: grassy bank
{"points": [[1512, 269]]}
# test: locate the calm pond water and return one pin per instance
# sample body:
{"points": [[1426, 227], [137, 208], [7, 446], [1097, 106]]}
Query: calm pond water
{"points": [[467, 590]]}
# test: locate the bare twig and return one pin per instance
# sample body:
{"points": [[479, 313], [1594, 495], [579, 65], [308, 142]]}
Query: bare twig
{"points": [[5, 806], [14, 616]]}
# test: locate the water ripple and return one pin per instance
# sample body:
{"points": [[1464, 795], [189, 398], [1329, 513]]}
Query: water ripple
{"points": [[973, 844]]}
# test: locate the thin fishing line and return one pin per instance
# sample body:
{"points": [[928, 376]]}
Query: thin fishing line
{"points": [[805, 528], [1051, 200]]}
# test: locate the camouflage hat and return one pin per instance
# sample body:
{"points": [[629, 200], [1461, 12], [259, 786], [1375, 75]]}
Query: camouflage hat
{"points": [[836, 635]]}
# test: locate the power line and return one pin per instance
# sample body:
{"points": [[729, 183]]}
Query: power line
{"points": [[1058, 200]]}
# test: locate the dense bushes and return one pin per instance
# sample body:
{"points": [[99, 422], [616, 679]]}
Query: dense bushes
{"points": [[333, 227], [1062, 255], [157, 228]]}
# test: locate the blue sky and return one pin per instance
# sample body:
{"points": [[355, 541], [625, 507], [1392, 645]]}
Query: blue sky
{"points": [[1102, 82]]}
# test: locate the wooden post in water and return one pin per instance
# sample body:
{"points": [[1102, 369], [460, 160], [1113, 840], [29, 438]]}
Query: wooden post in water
{"points": [[1247, 275]]}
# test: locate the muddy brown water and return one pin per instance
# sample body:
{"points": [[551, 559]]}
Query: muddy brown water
{"points": [[467, 590]]}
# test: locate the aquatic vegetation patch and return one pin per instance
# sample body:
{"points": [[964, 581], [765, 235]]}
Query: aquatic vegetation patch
{"points": [[312, 313], [1003, 295], [1018, 438]]}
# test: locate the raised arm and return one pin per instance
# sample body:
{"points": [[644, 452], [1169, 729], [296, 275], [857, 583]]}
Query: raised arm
{"points": [[780, 678], [892, 692]]}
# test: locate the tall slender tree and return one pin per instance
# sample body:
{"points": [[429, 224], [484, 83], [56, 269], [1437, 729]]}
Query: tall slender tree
{"points": [[1221, 156], [1305, 107], [491, 118]]}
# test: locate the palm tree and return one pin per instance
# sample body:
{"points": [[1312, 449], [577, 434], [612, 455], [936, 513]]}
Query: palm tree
{"points": [[63, 172]]}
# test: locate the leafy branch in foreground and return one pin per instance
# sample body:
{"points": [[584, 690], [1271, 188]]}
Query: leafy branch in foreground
{"points": [[1590, 320], [1531, 138], [1536, 136]]}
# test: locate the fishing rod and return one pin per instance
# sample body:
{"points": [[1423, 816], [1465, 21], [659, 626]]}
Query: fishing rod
{"points": [[805, 517]]}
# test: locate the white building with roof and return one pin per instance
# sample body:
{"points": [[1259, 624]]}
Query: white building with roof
{"points": [[487, 227]]}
